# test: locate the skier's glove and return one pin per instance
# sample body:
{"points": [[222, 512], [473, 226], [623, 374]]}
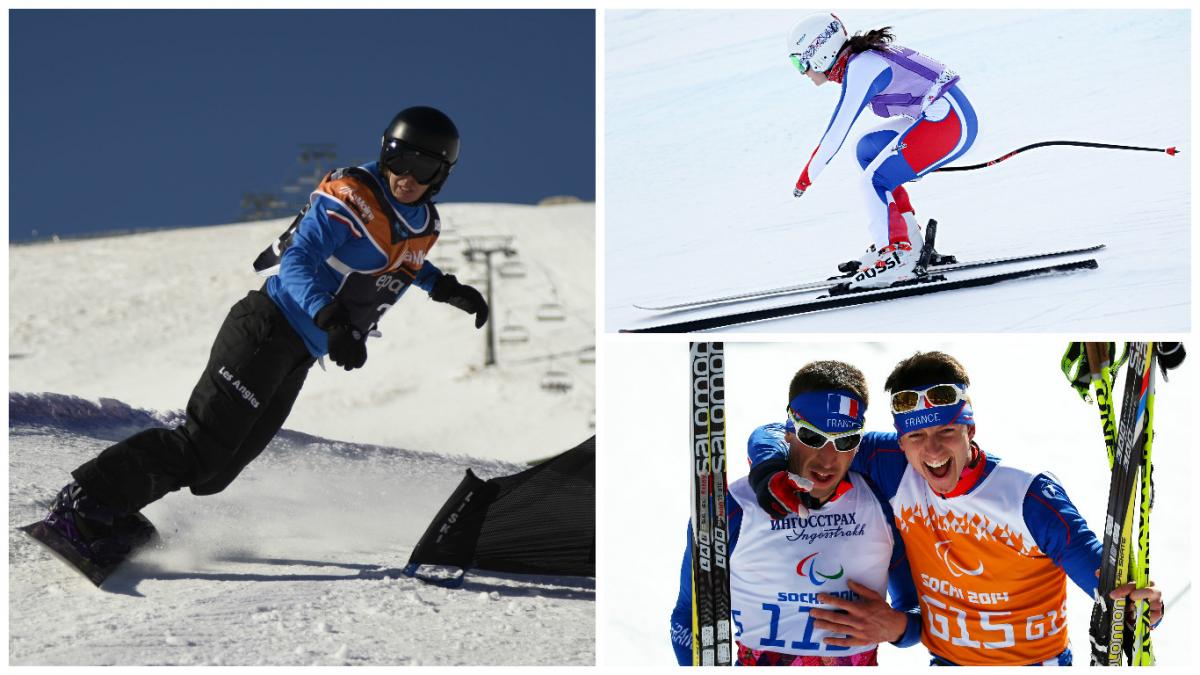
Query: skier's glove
{"points": [[1170, 355], [780, 494], [347, 344], [802, 184], [449, 290]]}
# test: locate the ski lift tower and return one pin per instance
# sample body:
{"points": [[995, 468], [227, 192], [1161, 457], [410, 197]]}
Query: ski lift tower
{"points": [[482, 248]]}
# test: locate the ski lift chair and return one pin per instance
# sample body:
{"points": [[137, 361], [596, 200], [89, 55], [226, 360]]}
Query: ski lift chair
{"points": [[512, 269], [513, 334], [551, 311], [557, 381]]}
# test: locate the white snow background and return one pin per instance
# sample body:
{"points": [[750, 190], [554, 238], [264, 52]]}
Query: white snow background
{"points": [[298, 561], [708, 126], [1025, 413]]}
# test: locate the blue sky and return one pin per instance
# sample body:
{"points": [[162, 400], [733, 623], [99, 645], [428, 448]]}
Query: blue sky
{"points": [[164, 118]]}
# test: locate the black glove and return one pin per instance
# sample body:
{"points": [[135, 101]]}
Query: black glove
{"points": [[449, 290], [347, 344], [1170, 355]]}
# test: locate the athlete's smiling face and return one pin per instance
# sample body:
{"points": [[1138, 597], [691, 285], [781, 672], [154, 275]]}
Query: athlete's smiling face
{"points": [[939, 454], [824, 466], [404, 187]]}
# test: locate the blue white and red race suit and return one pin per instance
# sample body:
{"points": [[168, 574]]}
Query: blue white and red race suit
{"points": [[930, 123]]}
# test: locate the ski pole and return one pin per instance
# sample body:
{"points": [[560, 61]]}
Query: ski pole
{"points": [[1081, 144]]}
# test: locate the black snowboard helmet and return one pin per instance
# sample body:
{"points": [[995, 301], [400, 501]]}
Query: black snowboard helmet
{"points": [[421, 141]]}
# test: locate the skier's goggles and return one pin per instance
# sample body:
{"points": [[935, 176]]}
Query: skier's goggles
{"points": [[937, 395], [809, 435], [423, 168], [801, 64]]}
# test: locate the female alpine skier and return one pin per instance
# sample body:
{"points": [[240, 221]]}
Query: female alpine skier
{"points": [[929, 123]]}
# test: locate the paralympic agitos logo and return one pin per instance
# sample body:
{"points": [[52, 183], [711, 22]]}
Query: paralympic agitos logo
{"points": [[808, 568], [943, 551]]}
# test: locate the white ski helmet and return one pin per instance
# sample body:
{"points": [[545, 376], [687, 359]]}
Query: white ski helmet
{"points": [[815, 42]]}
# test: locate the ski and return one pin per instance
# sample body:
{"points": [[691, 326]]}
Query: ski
{"points": [[711, 637], [1141, 650], [1168, 356], [935, 284], [1107, 628], [817, 286]]}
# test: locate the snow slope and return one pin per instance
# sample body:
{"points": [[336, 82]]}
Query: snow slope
{"points": [[133, 318], [297, 563], [1025, 412], [708, 125]]}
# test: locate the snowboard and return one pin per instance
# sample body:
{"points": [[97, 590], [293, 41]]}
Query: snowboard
{"points": [[95, 572]]}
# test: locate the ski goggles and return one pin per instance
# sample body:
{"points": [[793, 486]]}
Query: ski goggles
{"points": [[801, 64], [932, 406], [939, 394], [820, 417], [847, 441], [424, 169]]}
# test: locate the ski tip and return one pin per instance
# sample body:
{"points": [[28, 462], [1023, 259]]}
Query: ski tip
{"points": [[1172, 151]]}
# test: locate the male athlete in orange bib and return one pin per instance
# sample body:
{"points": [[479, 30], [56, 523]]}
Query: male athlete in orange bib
{"points": [[990, 545]]}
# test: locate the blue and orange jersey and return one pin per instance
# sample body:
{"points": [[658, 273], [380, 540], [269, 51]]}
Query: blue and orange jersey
{"points": [[355, 242]]}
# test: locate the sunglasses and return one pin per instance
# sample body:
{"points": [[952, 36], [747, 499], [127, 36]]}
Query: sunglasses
{"points": [[937, 395], [812, 437], [801, 65], [423, 168]]}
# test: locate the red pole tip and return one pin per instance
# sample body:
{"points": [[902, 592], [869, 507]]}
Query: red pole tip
{"points": [[1171, 151]]}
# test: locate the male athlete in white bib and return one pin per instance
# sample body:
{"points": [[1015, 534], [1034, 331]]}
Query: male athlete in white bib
{"points": [[818, 548]]}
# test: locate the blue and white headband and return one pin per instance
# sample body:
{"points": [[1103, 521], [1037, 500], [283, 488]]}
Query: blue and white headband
{"points": [[928, 415], [832, 412]]}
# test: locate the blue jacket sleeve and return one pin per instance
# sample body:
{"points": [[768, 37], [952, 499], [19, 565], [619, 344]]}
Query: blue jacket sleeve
{"points": [[681, 614], [427, 277], [880, 459], [767, 450], [316, 238], [902, 592], [1060, 531]]}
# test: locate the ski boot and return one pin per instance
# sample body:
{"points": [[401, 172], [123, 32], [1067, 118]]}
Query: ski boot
{"points": [[851, 267], [893, 264]]}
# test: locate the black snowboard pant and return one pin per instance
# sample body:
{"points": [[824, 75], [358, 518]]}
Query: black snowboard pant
{"points": [[255, 371]]}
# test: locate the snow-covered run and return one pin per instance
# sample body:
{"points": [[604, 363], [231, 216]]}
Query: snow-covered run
{"points": [[133, 318], [708, 125], [1025, 413], [298, 561]]}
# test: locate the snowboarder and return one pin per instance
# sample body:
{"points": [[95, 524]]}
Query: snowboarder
{"points": [[930, 123], [990, 545], [833, 540], [354, 250]]}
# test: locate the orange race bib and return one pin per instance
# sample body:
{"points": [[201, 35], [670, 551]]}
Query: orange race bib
{"points": [[988, 595]]}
